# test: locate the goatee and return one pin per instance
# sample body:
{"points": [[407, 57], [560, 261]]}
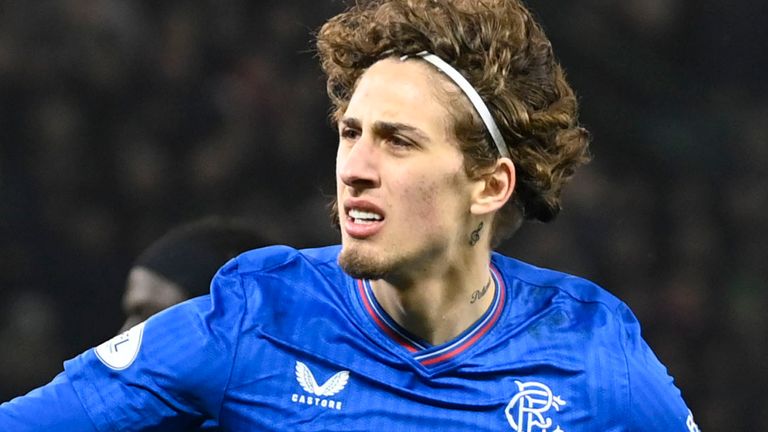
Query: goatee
{"points": [[362, 266]]}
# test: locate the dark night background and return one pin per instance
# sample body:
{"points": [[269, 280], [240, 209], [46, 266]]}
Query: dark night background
{"points": [[119, 120]]}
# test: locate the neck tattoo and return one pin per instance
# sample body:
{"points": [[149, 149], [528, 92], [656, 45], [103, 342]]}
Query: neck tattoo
{"points": [[475, 236], [478, 294]]}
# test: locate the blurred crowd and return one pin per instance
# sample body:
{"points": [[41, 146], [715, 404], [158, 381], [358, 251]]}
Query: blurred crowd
{"points": [[121, 119]]}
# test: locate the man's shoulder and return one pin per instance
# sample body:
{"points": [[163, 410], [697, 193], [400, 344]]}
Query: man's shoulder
{"points": [[281, 258], [577, 288], [283, 275], [285, 288], [563, 314], [279, 273]]}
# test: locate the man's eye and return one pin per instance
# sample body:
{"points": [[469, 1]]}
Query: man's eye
{"points": [[350, 133], [399, 142]]}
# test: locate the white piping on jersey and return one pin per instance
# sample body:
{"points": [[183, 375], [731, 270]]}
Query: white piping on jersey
{"points": [[384, 317], [488, 316]]}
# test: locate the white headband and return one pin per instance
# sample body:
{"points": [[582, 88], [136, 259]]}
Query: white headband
{"points": [[474, 98]]}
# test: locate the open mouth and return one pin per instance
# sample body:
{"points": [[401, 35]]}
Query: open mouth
{"points": [[364, 217]]}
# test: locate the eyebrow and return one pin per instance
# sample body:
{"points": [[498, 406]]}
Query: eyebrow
{"points": [[387, 128]]}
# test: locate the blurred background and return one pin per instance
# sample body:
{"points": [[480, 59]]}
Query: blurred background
{"points": [[119, 120]]}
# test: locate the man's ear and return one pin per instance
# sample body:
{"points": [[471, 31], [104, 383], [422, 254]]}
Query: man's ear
{"points": [[494, 188]]}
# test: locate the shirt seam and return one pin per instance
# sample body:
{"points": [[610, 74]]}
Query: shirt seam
{"points": [[104, 415], [622, 331], [243, 314]]}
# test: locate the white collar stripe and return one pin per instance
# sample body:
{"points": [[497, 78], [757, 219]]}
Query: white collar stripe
{"points": [[384, 317], [489, 314]]}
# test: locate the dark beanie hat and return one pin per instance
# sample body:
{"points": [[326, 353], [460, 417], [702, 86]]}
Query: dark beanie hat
{"points": [[190, 254]]}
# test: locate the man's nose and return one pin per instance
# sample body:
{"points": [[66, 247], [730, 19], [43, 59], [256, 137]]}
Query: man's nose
{"points": [[358, 166]]}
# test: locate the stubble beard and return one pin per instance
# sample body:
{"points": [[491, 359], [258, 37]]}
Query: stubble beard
{"points": [[389, 264], [361, 265]]}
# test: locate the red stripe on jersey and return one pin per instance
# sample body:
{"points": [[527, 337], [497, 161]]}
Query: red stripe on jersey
{"points": [[480, 332], [396, 337]]}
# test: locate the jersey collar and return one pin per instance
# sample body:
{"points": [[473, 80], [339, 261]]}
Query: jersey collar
{"points": [[422, 351]]}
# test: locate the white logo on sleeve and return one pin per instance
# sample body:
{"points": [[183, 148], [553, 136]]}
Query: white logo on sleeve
{"points": [[119, 352], [527, 409], [307, 381]]}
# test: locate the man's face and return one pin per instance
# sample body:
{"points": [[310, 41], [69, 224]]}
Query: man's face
{"points": [[402, 191], [147, 293]]}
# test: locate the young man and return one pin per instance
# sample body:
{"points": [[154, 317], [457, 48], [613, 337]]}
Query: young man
{"points": [[455, 124]]}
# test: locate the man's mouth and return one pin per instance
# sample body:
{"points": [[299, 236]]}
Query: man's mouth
{"points": [[363, 217]]}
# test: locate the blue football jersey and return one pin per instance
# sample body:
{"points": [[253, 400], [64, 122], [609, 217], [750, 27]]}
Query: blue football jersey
{"points": [[286, 341]]}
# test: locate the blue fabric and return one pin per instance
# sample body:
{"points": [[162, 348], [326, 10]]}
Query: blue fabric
{"points": [[53, 407], [284, 343]]}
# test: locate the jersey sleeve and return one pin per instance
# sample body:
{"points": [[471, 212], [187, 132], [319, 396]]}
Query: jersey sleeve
{"points": [[168, 373], [53, 407], [655, 403]]}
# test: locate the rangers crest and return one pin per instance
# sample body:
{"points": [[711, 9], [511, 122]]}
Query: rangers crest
{"points": [[526, 411]]}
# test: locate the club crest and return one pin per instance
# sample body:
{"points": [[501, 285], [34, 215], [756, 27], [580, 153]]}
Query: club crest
{"points": [[527, 410]]}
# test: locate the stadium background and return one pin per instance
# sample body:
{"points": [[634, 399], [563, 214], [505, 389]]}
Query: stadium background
{"points": [[121, 119]]}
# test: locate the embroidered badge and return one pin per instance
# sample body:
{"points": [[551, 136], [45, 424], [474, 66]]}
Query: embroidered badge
{"points": [[527, 410]]}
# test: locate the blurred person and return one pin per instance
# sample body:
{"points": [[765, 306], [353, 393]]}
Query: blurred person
{"points": [[181, 264], [455, 125]]}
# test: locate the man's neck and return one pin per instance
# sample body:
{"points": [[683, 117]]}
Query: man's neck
{"points": [[440, 303]]}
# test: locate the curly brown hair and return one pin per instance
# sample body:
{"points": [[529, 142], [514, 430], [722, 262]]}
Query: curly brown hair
{"points": [[503, 52]]}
